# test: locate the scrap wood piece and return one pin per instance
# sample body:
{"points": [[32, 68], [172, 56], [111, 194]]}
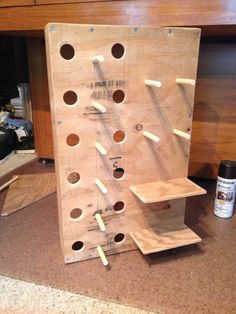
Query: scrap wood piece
{"points": [[8, 183], [27, 190]]}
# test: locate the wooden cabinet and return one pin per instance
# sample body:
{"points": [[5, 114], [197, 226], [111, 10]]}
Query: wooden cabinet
{"points": [[132, 12], [40, 98], [62, 1], [214, 120], [14, 3]]}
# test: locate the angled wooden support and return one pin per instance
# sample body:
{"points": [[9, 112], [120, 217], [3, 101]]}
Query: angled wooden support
{"points": [[98, 59], [100, 148], [101, 186], [153, 83], [182, 134], [102, 255], [151, 136], [100, 222], [184, 81], [99, 107]]}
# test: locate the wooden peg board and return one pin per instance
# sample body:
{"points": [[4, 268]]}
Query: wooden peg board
{"points": [[162, 54]]}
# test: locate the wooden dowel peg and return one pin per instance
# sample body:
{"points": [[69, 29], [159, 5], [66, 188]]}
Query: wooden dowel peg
{"points": [[98, 59], [153, 83], [8, 183], [100, 148], [181, 134], [99, 107], [101, 186], [151, 136], [183, 81], [100, 222], [102, 255]]}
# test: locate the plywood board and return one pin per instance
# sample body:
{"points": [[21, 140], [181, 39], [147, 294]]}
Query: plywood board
{"points": [[160, 191], [75, 82], [164, 238], [28, 189]]}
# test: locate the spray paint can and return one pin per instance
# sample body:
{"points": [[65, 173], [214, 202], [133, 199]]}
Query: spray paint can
{"points": [[225, 189]]}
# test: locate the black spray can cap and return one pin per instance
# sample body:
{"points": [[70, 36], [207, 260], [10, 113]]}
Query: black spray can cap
{"points": [[227, 169]]}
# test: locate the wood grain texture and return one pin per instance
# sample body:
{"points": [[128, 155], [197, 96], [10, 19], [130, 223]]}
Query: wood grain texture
{"points": [[68, 1], [214, 111], [8, 183], [40, 98], [209, 16], [160, 191], [214, 127], [27, 190], [164, 238], [141, 12], [14, 3], [150, 53]]}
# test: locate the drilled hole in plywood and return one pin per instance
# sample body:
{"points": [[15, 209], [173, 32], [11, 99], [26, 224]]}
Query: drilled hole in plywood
{"points": [[119, 136], [118, 96], [118, 173], [119, 207], [67, 52], [73, 177], [119, 238], [76, 213], [70, 97], [77, 246], [117, 50], [72, 140]]}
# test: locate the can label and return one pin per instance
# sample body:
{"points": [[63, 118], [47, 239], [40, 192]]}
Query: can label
{"points": [[225, 195]]}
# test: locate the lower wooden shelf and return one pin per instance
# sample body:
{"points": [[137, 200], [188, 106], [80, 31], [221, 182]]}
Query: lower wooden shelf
{"points": [[164, 238], [159, 191]]}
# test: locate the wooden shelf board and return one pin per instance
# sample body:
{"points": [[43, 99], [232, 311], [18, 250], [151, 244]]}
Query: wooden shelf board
{"points": [[164, 238], [159, 191]]}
